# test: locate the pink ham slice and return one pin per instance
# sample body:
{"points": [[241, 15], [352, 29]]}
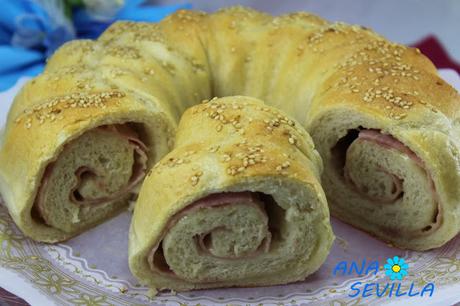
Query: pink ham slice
{"points": [[139, 168], [156, 258], [139, 171], [389, 142]]}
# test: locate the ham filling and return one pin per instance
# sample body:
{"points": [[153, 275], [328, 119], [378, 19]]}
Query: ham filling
{"points": [[389, 142], [156, 257], [138, 173]]}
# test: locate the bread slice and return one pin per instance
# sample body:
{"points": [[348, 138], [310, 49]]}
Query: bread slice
{"points": [[237, 202]]}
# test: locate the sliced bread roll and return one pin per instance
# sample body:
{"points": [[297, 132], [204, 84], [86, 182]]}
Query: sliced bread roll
{"points": [[95, 175], [76, 147], [237, 202], [391, 159]]}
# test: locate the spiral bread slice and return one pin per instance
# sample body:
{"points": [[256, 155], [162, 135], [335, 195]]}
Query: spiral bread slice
{"points": [[237, 202], [386, 127], [77, 146], [94, 174]]}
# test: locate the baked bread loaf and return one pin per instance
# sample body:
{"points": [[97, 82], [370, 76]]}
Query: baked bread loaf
{"points": [[338, 81], [235, 203], [73, 154]]}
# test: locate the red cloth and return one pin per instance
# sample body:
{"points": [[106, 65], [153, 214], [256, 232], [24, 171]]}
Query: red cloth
{"points": [[432, 48]]}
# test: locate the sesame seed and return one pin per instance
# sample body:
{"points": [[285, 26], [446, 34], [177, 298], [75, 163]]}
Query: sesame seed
{"points": [[227, 157], [231, 171], [292, 139], [194, 180], [214, 149]]}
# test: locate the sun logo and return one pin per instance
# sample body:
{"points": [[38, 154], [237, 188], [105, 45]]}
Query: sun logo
{"points": [[396, 268]]}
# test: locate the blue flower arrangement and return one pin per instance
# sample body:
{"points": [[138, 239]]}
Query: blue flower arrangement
{"points": [[31, 30]]}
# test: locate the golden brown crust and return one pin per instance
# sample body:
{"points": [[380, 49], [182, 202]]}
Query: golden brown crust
{"points": [[297, 62]]}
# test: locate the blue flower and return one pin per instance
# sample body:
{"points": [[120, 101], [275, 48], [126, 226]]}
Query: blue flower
{"points": [[396, 268], [31, 30], [40, 25]]}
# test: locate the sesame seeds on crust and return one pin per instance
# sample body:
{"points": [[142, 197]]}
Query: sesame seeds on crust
{"points": [[378, 76], [242, 156], [125, 52], [54, 108], [233, 152], [239, 152]]}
